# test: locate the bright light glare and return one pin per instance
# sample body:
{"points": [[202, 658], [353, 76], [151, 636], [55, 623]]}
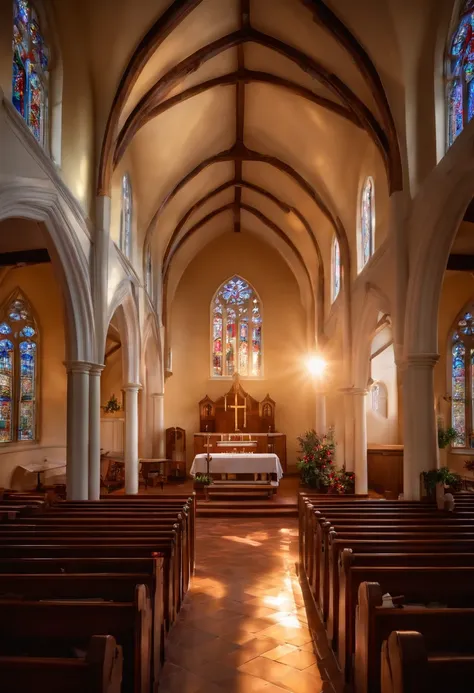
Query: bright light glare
{"points": [[316, 365]]}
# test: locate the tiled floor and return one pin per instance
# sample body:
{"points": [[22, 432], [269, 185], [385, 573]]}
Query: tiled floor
{"points": [[243, 625]]}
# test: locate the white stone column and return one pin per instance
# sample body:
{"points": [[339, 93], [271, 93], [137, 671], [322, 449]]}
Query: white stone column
{"points": [[159, 437], [94, 431], [77, 455], [131, 437], [359, 398], [420, 436], [348, 431]]}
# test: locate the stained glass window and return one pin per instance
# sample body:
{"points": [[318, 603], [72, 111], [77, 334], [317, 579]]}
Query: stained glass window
{"points": [[18, 372], [30, 69], [366, 223], [460, 89], [148, 273], [336, 269], [236, 330], [126, 217], [462, 380], [379, 399]]}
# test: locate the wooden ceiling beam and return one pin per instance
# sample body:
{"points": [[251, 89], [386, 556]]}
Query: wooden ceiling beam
{"points": [[309, 65], [247, 77], [161, 29], [326, 18]]}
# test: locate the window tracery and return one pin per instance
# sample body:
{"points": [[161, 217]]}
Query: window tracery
{"points": [[460, 73], [18, 371], [236, 330]]}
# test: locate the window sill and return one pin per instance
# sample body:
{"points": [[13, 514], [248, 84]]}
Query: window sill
{"points": [[461, 451]]}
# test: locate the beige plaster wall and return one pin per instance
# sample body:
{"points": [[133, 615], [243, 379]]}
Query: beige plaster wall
{"points": [[39, 285], [283, 338], [380, 429]]}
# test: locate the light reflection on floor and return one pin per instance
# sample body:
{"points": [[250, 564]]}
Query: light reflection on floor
{"points": [[243, 626]]}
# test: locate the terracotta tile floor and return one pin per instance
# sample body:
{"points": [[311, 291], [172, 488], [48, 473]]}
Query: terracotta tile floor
{"points": [[243, 624]]}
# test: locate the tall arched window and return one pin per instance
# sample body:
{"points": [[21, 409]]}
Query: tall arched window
{"points": [[148, 273], [18, 371], [336, 269], [367, 223], [462, 379], [236, 330], [126, 217], [30, 69], [379, 399], [460, 69]]}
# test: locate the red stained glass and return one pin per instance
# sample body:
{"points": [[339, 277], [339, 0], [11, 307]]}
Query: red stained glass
{"points": [[460, 95], [234, 306], [30, 65]]}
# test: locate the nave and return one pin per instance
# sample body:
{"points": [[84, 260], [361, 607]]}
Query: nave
{"points": [[243, 624]]}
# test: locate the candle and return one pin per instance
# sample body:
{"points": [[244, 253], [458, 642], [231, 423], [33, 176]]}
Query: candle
{"points": [[225, 402]]}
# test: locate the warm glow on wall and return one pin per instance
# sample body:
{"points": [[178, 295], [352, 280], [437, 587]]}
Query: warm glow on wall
{"points": [[316, 366]]}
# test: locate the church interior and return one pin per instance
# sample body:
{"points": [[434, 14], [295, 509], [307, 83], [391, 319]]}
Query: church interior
{"points": [[236, 346]]}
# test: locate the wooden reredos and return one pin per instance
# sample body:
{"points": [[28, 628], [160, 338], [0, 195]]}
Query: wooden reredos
{"points": [[237, 412]]}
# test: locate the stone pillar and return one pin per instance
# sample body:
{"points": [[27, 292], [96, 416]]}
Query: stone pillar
{"points": [[348, 431], [359, 398], [159, 437], [94, 431], [77, 455], [420, 438], [131, 437]]}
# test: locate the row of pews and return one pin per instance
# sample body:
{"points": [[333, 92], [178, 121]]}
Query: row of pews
{"points": [[89, 590], [353, 551]]}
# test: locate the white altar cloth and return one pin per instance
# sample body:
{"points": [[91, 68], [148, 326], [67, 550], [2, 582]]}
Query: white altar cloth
{"points": [[238, 463]]}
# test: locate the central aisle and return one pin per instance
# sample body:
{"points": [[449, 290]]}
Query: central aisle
{"points": [[243, 628]]}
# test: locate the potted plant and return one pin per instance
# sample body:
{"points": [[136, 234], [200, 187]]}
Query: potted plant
{"points": [[444, 476], [112, 406], [202, 480], [341, 481], [315, 464], [446, 436]]}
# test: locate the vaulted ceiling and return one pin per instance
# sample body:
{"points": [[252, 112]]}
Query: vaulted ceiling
{"points": [[249, 115]]}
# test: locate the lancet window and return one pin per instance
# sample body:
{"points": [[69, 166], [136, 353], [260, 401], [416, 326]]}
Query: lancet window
{"points": [[460, 73], [236, 319], [462, 379], [18, 371], [30, 69], [367, 223], [126, 217], [336, 269]]}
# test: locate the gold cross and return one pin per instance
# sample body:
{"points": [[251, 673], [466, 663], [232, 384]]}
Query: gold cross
{"points": [[236, 407]]}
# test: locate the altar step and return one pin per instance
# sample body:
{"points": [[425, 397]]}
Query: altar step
{"points": [[249, 508], [235, 491]]}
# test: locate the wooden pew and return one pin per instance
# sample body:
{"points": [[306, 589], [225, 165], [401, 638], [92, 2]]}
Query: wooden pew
{"points": [[115, 587], [55, 628], [99, 671], [448, 585], [408, 667], [374, 624]]}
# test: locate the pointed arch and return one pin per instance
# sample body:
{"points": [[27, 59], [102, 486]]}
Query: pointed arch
{"points": [[236, 330], [19, 358]]}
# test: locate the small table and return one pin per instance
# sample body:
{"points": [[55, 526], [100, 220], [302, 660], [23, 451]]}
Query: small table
{"points": [[156, 466], [40, 467]]}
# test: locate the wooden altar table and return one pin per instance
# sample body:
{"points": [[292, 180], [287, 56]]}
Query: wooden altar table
{"points": [[238, 463]]}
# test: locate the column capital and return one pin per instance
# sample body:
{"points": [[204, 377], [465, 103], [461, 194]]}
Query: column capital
{"points": [[132, 387], [96, 368], [78, 366], [422, 360], [354, 391]]}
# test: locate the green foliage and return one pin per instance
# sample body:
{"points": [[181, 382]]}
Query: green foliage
{"points": [[203, 479], [446, 436], [441, 475], [112, 405]]}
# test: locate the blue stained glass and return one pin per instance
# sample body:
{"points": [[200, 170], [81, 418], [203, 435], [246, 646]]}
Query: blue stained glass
{"points": [[4, 328], [27, 331], [367, 222], [460, 94], [30, 65], [234, 306]]}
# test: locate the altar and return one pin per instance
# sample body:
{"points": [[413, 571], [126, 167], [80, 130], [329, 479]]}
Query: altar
{"points": [[237, 424], [238, 463]]}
